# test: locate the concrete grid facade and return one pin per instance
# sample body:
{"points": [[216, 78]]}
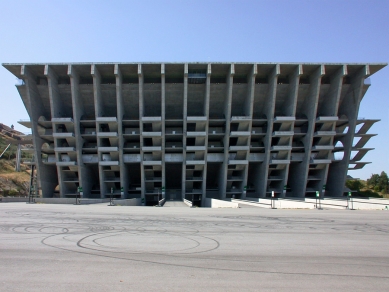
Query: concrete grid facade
{"points": [[195, 130]]}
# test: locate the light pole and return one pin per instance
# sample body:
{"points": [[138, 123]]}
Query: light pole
{"points": [[318, 199], [351, 201]]}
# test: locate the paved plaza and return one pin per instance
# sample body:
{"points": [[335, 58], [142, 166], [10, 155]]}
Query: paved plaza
{"points": [[100, 248]]}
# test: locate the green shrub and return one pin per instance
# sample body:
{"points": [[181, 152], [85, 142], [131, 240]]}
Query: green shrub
{"points": [[369, 193]]}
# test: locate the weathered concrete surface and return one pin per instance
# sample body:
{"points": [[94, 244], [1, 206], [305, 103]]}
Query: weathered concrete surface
{"points": [[175, 204], [100, 248]]}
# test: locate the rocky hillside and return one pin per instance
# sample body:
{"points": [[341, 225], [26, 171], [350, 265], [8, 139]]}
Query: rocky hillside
{"points": [[13, 183]]}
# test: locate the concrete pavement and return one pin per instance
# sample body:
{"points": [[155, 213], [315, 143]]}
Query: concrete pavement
{"points": [[100, 248]]}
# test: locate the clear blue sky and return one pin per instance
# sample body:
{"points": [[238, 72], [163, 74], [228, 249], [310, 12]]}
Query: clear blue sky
{"points": [[179, 31]]}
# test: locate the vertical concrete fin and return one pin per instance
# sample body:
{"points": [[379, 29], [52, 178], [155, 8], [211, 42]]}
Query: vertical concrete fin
{"points": [[47, 175], [328, 106], [184, 128], [56, 106], [186, 69], [163, 115], [54, 95], [232, 69], [209, 69], [141, 114], [78, 111], [226, 142], [367, 71], [300, 70], [349, 107], [293, 90], [249, 113], [99, 109], [269, 112], [299, 171], [206, 113], [124, 176], [140, 72], [290, 110]]}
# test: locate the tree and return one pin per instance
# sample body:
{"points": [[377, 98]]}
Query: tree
{"points": [[373, 180], [379, 182], [383, 182], [354, 184]]}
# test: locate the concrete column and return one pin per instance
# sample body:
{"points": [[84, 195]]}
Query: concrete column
{"points": [[269, 112], [299, 172], [124, 179], [249, 113], [141, 113], [163, 125], [184, 129], [78, 111], [330, 108], [47, 178], [350, 108], [290, 108], [97, 91], [56, 107], [206, 112], [227, 115], [98, 113], [331, 105]]}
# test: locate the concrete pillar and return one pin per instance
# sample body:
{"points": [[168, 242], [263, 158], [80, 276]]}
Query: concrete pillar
{"points": [[206, 112], [227, 115], [163, 126], [141, 114], [269, 112], [249, 103], [290, 110], [124, 179], [329, 107], [47, 178], [184, 129], [56, 107], [299, 171], [350, 108], [331, 104], [78, 110]]}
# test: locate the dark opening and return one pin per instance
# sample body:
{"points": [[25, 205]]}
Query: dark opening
{"points": [[108, 80], [173, 176]]}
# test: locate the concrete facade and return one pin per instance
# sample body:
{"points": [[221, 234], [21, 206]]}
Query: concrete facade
{"points": [[195, 130]]}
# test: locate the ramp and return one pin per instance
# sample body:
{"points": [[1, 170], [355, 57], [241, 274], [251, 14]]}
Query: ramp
{"points": [[175, 204]]}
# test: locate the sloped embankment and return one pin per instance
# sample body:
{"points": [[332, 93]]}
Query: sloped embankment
{"points": [[13, 183]]}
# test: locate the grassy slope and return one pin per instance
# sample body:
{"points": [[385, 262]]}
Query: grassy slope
{"points": [[12, 180]]}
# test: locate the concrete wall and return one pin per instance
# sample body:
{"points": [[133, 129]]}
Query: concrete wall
{"points": [[214, 203], [310, 203], [128, 202], [69, 201], [13, 200]]}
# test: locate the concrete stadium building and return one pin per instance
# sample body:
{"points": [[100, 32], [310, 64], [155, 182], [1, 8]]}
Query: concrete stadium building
{"points": [[195, 130]]}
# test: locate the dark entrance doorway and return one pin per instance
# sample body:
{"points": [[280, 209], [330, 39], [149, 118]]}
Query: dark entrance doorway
{"points": [[173, 181]]}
